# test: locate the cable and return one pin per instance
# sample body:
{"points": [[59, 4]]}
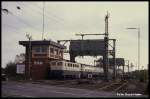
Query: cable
{"points": [[58, 19], [27, 24], [20, 20], [12, 27], [40, 13], [51, 13], [54, 18]]}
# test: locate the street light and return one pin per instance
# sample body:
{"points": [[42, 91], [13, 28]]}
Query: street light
{"points": [[138, 46]]}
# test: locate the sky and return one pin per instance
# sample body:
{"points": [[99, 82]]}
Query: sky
{"points": [[63, 20]]}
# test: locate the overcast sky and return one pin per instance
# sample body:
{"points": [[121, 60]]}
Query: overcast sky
{"points": [[64, 19]]}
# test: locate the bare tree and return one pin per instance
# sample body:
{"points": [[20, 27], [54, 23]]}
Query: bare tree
{"points": [[20, 58]]}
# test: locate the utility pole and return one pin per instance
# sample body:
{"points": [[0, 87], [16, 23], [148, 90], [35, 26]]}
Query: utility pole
{"points": [[114, 57], [43, 20], [29, 56], [128, 67], [105, 57], [138, 48], [123, 70]]}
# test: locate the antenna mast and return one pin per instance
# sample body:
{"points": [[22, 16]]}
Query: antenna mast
{"points": [[43, 20]]}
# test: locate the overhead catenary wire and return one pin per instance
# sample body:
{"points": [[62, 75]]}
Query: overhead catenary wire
{"points": [[18, 18], [49, 18], [51, 14], [12, 27], [27, 24], [60, 19], [46, 14], [22, 21]]}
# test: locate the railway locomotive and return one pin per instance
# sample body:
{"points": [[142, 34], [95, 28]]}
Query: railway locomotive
{"points": [[69, 70]]}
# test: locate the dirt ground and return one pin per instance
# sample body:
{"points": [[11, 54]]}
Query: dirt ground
{"points": [[131, 87]]}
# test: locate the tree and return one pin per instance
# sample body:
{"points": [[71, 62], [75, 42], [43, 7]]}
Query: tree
{"points": [[2, 70], [20, 58], [10, 69], [142, 75], [132, 65]]}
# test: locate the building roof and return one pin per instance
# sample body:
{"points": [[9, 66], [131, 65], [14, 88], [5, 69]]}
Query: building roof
{"points": [[42, 42]]}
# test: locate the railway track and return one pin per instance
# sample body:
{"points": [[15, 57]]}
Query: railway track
{"points": [[139, 87], [116, 86], [105, 86]]}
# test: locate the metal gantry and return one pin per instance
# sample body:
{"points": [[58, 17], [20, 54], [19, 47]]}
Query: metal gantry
{"points": [[105, 52]]}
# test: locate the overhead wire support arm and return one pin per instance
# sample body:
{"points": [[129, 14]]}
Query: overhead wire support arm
{"points": [[88, 34]]}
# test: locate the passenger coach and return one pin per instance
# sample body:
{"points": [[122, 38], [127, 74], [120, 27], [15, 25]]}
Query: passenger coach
{"points": [[65, 69]]}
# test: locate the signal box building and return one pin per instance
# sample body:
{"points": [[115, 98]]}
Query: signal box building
{"points": [[38, 56]]}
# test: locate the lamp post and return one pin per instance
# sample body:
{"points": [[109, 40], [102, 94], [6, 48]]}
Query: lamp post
{"points": [[138, 45]]}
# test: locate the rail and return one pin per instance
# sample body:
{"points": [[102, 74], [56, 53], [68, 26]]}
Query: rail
{"points": [[114, 86]]}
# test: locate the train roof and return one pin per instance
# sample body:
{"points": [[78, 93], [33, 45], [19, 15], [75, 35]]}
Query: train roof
{"points": [[75, 62]]}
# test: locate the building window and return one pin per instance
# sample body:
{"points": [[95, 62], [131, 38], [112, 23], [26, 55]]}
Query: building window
{"points": [[41, 49], [34, 62], [51, 50], [41, 62], [60, 53], [37, 49], [38, 62], [56, 51]]}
